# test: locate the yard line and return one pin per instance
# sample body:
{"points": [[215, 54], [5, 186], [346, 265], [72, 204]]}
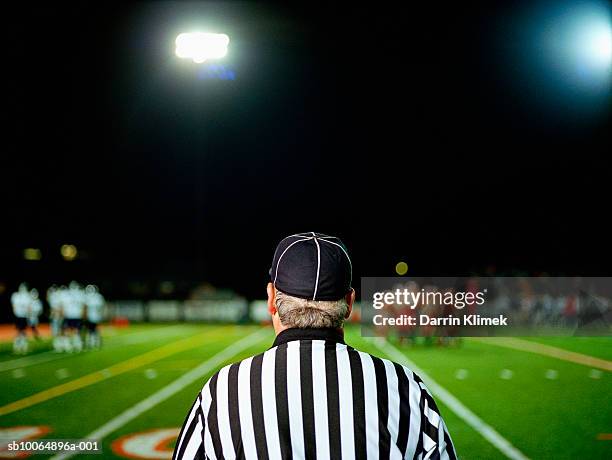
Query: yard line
{"points": [[547, 350], [30, 360], [171, 389], [115, 341], [112, 371], [486, 431]]}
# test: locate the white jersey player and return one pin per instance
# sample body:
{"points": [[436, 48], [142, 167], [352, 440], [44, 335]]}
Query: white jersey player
{"points": [[73, 307], [94, 303], [55, 316], [36, 308], [21, 302]]}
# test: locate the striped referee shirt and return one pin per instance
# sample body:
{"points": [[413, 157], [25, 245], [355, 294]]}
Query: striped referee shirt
{"points": [[311, 396]]}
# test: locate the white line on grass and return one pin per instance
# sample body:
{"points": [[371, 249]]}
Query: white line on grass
{"points": [[551, 374], [506, 374], [487, 432], [112, 342], [18, 373], [62, 373], [29, 360], [595, 373], [170, 390], [461, 374]]}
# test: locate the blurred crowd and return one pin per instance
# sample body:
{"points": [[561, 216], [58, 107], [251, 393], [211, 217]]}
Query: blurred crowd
{"points": [[74, 314], [531, 304]]}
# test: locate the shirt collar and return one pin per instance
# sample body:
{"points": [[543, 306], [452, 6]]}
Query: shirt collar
{"points": [[288, 335]]}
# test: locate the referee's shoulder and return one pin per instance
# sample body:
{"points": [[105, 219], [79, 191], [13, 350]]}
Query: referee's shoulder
{"points": [[403, 373]]}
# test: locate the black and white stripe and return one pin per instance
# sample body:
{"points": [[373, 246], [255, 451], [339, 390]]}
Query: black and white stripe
{"points": [[311, 396]]}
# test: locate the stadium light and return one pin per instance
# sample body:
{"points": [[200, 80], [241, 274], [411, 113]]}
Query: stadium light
{"points": [[564, 56], [579, 44], [589, 41], [201, 46], [69, 252], [32, 254], [597, 43]]}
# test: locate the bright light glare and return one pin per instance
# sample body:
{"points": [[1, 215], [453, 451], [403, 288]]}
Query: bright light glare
{"points": [[32, 254], [69, 251], [401, 268], [579, 44], [597, 43], [589, 41], [201, 46]]}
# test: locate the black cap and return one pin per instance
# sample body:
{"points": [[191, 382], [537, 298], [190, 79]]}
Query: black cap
{"points": [[312, 266]]}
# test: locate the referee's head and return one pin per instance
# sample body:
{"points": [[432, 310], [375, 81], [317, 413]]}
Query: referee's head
{"points": [[310, 283]]}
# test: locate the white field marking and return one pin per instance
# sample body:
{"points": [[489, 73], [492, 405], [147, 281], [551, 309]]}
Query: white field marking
{"points": [[469, 417], [170, 390], [547, 350], [506, 374], [461, 374], [115, 341], [551, 374], [62, 373], [150, 374], [595, 374], [30, 360], [18, 373]]}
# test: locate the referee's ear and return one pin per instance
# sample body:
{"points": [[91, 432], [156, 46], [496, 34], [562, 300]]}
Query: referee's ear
{"points": [[271, 299], [350, 300]]}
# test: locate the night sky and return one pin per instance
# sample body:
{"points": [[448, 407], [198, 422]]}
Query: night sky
{"points": [[422, 133]]}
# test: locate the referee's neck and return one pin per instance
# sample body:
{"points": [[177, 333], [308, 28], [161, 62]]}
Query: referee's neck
{"points": [[291, 334]]}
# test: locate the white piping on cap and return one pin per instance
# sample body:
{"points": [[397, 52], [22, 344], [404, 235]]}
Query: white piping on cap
{"points": [[314, 294], [343, 250], [283, 253]]}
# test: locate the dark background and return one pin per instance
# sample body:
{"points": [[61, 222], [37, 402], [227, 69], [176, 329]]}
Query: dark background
{"points": [[411, 132]]}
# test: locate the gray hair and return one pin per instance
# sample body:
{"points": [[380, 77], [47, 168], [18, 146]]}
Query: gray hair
{"points": [[305, 313]]}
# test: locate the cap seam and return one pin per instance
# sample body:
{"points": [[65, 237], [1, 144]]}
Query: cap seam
{"points": [[314, 294]]}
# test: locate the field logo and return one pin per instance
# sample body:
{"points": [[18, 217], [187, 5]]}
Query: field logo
{"points": [[152, 444], [19, 433]]}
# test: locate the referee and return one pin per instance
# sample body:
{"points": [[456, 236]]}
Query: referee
{"points": [[311, 395]]}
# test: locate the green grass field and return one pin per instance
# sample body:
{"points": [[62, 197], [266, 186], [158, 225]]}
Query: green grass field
{"points": [[545, 406]]}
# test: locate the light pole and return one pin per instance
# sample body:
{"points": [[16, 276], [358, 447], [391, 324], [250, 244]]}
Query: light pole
{"points": [[200, 47]]}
